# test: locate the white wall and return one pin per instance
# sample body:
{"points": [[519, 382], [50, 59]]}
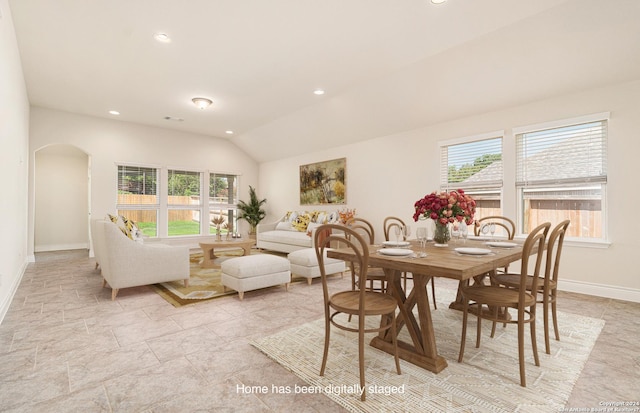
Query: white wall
{"points": [[14, 141], [61, 198], [385, 176], [108, 142]]}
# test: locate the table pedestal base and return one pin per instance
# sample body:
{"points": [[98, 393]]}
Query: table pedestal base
{"points": [[408, 353]]}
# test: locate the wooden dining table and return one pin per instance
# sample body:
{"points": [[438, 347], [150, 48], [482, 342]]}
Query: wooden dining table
{"points": [[439, 262]]}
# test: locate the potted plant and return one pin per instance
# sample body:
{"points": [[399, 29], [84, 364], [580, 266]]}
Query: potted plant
{"points": [[252, 211]]}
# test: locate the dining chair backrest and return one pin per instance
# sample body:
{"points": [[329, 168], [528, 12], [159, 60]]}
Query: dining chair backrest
{"points": [[388, 226], [348, 237], [503, 224], [362, 227], [537, 238], [554, 251]]}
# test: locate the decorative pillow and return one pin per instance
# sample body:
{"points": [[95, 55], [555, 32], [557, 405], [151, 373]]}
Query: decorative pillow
{"points": [[311, 227], [301, 222], [120, 223], [333, 218], [313, 215], [132, 229], [284, 226], [321, 218], [291, 216]]}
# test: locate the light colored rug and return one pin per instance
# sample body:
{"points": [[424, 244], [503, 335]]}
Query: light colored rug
{"points": [[487, 380], [204, 283]]}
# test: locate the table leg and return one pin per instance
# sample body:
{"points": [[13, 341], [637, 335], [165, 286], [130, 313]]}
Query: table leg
{"points": [[207, 258], [423, 351]]}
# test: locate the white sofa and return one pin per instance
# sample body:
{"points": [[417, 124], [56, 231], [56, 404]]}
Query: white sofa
{"points": [[290, 233], [127, 263]]}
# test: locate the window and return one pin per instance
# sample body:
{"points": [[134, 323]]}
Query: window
{"points": [[561, 173], [138, 196], [475, 165], [174, 205], [223, 197], [184, 202]]}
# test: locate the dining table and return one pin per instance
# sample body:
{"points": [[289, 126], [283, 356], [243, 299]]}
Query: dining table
{"points": [[414, 309]]}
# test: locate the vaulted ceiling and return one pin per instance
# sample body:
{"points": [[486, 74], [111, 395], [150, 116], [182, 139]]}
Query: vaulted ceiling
{"points": [[386, 65]]}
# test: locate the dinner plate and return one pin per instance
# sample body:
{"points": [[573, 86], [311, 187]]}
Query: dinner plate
{"points": [[502, 244], [396, 244], [473, 251], [478, 238], [400, 252]]}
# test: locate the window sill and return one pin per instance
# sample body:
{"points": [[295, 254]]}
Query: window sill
{"points": [[574, 242]]}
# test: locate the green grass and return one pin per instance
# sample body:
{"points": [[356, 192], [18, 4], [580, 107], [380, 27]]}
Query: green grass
{"points": [[176, 228]]}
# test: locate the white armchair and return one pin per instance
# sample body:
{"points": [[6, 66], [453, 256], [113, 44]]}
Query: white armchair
{"points": [[126, 263]]}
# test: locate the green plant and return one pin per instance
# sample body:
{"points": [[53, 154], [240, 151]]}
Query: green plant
{"points": [[252, 212]]}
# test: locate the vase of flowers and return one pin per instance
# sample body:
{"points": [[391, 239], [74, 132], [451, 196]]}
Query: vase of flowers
{"points": [[445, 208]]}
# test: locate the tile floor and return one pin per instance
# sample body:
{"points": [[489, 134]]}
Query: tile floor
{"points": [[65, 346]]}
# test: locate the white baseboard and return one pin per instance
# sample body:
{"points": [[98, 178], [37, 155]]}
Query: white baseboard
{"points": [[600, 290], [6, 302], [61, 247]]}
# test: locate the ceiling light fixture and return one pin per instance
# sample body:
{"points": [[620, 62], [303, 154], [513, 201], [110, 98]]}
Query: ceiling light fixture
{"points": [[438, 1], [162, 37], [114, 112], [202, 103], [229, 132], [173, 119], [318, 92]]}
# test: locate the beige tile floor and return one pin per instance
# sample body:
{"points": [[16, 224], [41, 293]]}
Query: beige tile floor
{"points": [[65, 346]]}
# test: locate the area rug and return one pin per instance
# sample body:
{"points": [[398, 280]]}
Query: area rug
{"points": [[204, 283], [486, 381]]}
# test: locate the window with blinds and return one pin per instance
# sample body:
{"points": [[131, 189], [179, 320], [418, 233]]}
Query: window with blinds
{"points": [[183, 187], [561, 173], [138, 197], [476, 167]]}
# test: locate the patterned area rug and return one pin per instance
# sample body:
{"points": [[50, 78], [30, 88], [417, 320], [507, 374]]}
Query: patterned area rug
{"points": [[486, 381], [204, 283]]}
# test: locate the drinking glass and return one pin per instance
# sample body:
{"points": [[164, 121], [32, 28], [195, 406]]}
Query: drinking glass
{"points": [[464, 231], [492, 229], [421, 234], [406, 231], [398, 231]]}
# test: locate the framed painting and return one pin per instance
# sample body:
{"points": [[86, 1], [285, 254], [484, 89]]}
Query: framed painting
{"points": [[323, 182]]}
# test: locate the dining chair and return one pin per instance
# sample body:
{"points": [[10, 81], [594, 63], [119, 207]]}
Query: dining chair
{"points": [[361, 302], [497, 297], [503, 224], [389, 224], [548, 285], [375, 274]]}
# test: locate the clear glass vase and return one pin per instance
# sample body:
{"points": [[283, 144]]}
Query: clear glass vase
{"points": [[441, 234]]}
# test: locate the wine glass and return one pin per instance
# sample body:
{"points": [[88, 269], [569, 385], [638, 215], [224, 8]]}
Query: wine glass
{"points": [[406, 231], [492, 229], [464, 231], [421, 234], [398, 231]]}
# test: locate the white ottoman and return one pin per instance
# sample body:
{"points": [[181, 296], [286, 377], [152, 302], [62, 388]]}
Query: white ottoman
{"points": [[252, 272], [304, 263]]}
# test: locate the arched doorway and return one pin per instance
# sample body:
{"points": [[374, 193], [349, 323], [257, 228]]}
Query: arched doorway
{"points": [[61, 219]]}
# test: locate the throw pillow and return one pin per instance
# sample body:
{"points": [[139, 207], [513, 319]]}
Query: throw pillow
{"points": [[301, 223], [284, 226]]}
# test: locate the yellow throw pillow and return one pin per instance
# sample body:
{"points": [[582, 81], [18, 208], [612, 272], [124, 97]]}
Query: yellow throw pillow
{"points": [[301, 223]]}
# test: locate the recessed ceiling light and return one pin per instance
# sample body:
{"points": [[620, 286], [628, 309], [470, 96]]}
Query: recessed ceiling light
{"points": [[229, 132], [318, 92], [114, 112], [202, 103], [438, 1], [162, 37], [173, 119]]}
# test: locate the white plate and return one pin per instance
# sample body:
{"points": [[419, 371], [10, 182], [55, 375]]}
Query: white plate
{"points": [[478, 238], [395, 251], [441, 245], [396, 244], [502, 244], [473, 251]]}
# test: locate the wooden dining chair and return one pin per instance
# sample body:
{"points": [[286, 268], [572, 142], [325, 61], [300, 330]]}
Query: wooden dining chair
{"points": [[389, 224], [375, 274], [547, 287], [496, 297], [361, 302]]}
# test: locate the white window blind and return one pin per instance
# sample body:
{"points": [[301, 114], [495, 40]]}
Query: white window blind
{"points": [[139, 181], [182, 185], [471, 165], [563, 155]]}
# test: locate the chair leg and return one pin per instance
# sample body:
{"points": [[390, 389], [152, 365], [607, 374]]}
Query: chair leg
{"points": [[534, 341], [327, 333], [479, 331], [495, 318], [361, 357], [114, 293], [545, 315], [523, 378], [463, 338], [555, 315], [394, 337]]}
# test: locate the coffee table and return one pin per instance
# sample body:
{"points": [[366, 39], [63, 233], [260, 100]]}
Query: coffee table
{"points": [[209, 246]]}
